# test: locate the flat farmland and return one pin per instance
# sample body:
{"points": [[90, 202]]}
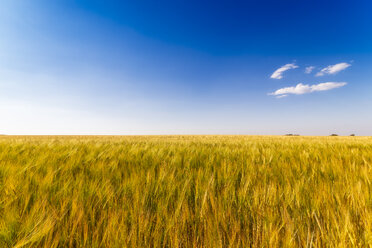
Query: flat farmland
{"points": [[185, 191]]}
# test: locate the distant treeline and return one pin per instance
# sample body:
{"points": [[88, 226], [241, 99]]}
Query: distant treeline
{"points": [[334, 134]]}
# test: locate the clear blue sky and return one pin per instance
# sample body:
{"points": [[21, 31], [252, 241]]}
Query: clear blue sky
{"points": [[186, 67]]}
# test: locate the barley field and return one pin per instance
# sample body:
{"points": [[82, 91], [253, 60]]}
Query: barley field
{"points": [[185, 191]]}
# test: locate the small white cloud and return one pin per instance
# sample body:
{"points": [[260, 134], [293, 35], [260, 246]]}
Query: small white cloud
{"points": [[309, 69], [300, 88], [281, 96], [278, 73], [333, 69]]}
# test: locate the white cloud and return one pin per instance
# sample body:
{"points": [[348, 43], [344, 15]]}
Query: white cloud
{"points": [[333, 69], [309, 69], [281, 96], [300, 88], [278, 73]]}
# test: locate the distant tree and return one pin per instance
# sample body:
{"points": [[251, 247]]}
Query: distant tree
{"points": [[352, 134], [334, 134]]}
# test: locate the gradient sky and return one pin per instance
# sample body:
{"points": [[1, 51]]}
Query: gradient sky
{"points": [[184, 67]]}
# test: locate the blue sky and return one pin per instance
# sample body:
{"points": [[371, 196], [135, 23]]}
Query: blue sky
{"points": [[185, 67]]}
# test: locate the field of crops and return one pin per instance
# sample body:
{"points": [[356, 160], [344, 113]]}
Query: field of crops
{"points": [[185, 191]]}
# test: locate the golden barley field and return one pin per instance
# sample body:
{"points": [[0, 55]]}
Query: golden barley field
{"points": [[185, 191]]}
